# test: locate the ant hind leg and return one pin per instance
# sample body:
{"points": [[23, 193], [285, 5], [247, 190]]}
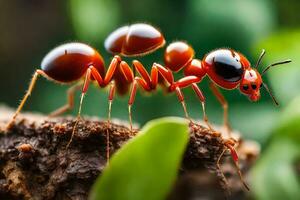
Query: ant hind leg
{"points": [[27, 94], [70, 101]]}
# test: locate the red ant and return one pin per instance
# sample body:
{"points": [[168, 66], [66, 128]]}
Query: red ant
{"points": [[73, 61]]}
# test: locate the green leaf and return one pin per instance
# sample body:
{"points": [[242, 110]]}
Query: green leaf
{"points": [[146, 167]]}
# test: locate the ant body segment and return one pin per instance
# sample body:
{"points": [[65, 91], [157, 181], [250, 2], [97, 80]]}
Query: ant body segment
{"points": [[80, 63]]}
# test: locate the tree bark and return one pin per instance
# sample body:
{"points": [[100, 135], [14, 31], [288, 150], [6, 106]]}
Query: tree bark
{"points": [[35, 163]]}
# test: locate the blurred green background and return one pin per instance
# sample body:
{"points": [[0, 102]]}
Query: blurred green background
{"points": [[29, 29]]}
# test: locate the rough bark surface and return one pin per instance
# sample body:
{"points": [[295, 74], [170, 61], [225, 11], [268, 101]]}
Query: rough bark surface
{"points": [[35, 164]]}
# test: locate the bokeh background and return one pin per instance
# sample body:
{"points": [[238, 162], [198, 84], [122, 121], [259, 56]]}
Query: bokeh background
{"points": [[30, 28]]}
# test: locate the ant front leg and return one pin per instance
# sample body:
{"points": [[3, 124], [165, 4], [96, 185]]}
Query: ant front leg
{"points": [[70, 101], [224, 104], [27, 94]]}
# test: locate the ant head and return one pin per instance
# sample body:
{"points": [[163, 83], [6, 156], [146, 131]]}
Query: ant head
{"points": [[251, 83], [178, 55], [252, 80]]}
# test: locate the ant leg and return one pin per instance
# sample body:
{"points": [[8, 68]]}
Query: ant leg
{"points": [[201, 97], [152, 79], [144, 85], [27, 94], [154, 76], [224, 104], [235, 158], [110, 72], [182, 83], [185, 82], [84, 90], [166, 73], [131, 100], [142, 71], [219, 167], [149, 80], [70, 101], [181, 100], [110, 101], [111, 69], [127, 72], [129, 75]]}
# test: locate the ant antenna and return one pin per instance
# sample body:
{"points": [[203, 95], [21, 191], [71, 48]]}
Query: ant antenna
{"points": [[274, 64], [270, 93], [263, 52], [266, 69]]}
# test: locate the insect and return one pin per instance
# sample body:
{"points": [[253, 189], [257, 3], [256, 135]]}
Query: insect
{"points": [[79, 64]]}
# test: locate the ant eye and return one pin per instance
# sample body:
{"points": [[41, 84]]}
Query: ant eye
{"points": [[245, 87], [253, 86]]}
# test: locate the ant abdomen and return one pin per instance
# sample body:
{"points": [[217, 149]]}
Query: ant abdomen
{"points": [[69, 62]]}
